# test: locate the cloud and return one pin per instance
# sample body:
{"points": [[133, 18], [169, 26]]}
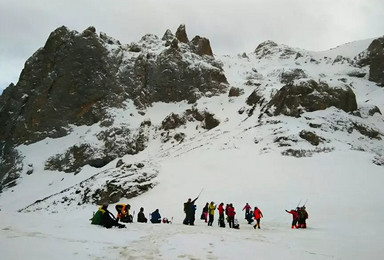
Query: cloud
{"points": [[232, 26]]}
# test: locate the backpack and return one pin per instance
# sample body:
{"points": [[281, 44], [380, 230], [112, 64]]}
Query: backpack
{"points": [[96, 219]]}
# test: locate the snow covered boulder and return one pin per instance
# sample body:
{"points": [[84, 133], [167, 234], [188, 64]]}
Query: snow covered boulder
{"points": [[297, 97]]}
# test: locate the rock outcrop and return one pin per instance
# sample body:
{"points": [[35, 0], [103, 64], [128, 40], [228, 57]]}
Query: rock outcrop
{"points": [[374, 57], [76, 76], [181, 34], [294, 99]]}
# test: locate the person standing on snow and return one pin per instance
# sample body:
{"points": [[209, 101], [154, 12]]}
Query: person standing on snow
{"points": [[295, 216], [221, 210], [189, 209], [231, 215], [211, 212], [221, 215], [204, 214], [257, 215], [247, 208], [303, 215]]}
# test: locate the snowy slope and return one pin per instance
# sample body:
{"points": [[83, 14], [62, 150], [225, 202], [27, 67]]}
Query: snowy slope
{"points": [[236, 162]]}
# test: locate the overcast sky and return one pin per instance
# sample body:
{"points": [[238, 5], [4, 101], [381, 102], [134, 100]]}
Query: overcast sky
{"points": [[231, 26]]}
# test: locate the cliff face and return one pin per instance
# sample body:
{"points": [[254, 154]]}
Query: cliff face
{"points": [[76, 76], [374, 58]]}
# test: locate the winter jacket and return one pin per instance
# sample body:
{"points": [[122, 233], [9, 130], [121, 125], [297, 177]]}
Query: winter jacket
{"points": [[231, 212], [247, 207], [97, 217], [295, 214], [122, 210], [141, 217], [211, 209], [221, 209], [155, 216], [257, 214], [303, 214]]}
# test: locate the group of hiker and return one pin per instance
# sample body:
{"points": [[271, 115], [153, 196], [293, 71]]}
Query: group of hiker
{"points": [[299, 217], [226, 213], [105, 218]]}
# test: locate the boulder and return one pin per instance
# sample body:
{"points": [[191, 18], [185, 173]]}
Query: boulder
{"points": [[311, 137], [295, 98], [234, 92]]}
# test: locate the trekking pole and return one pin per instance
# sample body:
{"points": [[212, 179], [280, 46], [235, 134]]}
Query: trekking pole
{"points": [[200, 192], [298, 204], [305, 202]]}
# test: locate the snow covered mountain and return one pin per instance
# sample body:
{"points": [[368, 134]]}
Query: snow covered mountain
{"points": [[94, 121]]}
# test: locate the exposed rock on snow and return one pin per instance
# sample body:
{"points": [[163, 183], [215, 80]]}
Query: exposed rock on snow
{"points": [[374, 57], [181, 34], [295, 98]]}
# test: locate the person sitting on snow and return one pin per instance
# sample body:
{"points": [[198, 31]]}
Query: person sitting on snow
{"points": [[105, 218], [123, 213], [141, 217], [155, 217]]}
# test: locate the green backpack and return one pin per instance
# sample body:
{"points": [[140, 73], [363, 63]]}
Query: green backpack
{"points": [[96, 219]]}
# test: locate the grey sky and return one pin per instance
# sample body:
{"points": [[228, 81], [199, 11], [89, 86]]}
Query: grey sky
{"points": [[231, 26]]}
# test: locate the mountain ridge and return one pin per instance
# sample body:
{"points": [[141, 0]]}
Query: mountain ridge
{"points": [[171, 95]]}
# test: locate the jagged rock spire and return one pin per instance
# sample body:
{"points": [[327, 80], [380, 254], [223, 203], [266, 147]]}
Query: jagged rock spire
{"points": [[181, 34], [168, 36], [201, 46]]}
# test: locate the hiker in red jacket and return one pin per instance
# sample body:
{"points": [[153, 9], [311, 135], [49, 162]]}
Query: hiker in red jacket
{"points": [[247, 208], [303, 215], [231, 215], [220, 208], [295, 217], [257, 215]]}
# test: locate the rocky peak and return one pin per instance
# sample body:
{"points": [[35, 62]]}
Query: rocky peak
{"points": [[181, 34], [168, 36], [267, 49], [201, 46]]}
